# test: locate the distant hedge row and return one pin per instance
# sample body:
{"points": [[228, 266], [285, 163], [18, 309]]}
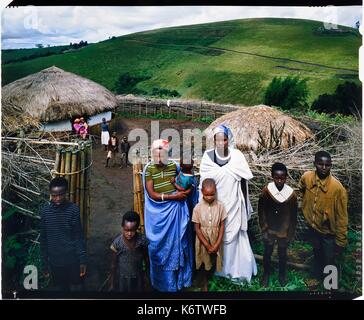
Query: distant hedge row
{"points": [[292, 92], [127, 83]]}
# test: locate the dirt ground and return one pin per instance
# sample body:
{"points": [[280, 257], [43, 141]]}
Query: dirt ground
{"points": [[111, 196]]}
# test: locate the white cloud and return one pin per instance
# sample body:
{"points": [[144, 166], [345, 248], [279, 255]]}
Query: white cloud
{"points": [[26, 26]]}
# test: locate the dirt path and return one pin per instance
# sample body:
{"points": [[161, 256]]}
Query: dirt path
{"points": [[111, 196]]}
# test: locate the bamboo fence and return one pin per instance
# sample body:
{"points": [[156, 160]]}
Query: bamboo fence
{"points": [[74, 163], [138, 190], [28, 169]]}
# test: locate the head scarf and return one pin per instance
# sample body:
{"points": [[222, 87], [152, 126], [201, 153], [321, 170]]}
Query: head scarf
{"points": [[160, 144], [227, 132]]}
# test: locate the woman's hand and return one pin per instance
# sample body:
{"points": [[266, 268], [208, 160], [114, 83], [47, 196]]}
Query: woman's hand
{"points": [[173, 180], [180, 195]]}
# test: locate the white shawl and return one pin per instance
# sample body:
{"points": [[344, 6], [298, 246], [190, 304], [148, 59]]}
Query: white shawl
{"points": [[228, 182]]}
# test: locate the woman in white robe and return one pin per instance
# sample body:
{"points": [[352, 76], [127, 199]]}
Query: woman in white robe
{"points": [[231, 172]]}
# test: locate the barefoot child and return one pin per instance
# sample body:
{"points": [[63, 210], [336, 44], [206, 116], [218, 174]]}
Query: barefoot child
{"points": [[129, 249], [277, 211], [208, 217]]}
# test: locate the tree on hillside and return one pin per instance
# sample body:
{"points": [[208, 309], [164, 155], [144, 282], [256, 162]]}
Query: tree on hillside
{"points": [[346, 100], [287, 93], [126, 83]]}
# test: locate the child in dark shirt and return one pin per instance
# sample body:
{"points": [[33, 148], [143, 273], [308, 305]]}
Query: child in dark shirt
{"points": [[129, 249], [277, 210]]}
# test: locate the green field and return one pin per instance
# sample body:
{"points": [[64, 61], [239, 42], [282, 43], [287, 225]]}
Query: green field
{"points": [[226, 62]]}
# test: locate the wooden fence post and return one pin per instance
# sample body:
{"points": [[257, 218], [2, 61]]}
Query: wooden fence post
{"points": [[73, 179]]}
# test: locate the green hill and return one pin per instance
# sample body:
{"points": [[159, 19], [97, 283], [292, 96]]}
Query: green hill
{"points": [[227, 62]]}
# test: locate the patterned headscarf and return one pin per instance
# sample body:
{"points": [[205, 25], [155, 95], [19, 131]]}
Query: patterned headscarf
{"points": [[160, 144], [227, 132]]}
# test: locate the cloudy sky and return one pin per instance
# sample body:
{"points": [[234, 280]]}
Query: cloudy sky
{"points": [[23, 27]]}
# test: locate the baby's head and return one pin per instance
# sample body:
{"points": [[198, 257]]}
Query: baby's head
{"points": [[209, 190], [186, 167], [279, 174], [130, 224]]}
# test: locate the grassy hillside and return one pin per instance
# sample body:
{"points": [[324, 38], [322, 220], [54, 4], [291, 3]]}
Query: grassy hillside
{"points": [[228, 62]]}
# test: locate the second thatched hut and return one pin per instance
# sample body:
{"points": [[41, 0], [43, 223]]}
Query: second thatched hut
{"points": [[261, 127]]}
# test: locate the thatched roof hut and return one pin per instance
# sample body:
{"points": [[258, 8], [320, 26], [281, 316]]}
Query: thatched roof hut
{"points": [[255, 126], [52, 95]]}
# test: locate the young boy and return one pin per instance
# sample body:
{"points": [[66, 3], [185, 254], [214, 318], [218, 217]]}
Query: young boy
{"points": [[324, 205], [129, 249], [208, 217], [124, 152], [112, 148], [61, 238], [277, 211]]}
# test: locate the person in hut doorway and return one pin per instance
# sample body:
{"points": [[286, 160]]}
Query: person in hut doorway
{"points": [[124, 152], [62, 244], [83, 128], [324, 205], [112, 148], [277, 211], [76, 126]]}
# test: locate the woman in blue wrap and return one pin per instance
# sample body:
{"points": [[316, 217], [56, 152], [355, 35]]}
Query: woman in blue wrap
{"points": [[167, 223]]}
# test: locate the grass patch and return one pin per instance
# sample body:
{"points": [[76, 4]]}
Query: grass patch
{"points": [[298, 280]]}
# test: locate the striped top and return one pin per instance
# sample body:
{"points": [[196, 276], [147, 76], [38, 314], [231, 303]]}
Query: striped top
{"points": [[162, 177], [61, 236]]}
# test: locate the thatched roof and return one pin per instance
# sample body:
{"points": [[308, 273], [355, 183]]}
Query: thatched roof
{"points": [[52, 95], [250, 124]]}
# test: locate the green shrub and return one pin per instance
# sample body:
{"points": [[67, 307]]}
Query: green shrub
{"points": [[346, 100], [127, 82], [165, 93]]}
